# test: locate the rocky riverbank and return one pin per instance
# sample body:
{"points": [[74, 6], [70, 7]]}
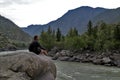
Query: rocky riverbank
{"points": [[109, 58], [9, 47]]}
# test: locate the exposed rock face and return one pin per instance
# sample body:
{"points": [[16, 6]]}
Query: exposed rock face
{"points": [[26, 66]]}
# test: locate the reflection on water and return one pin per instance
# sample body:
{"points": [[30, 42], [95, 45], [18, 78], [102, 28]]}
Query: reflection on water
{"points": [[81, 71]]}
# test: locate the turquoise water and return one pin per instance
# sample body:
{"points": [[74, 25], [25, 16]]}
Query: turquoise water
{"points": [[85, 71]]}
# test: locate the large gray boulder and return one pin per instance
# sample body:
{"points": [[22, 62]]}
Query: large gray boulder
{"points": [[26, 66]]}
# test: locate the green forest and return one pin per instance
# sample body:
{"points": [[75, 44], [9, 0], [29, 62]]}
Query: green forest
{"points": [[100, 37]]}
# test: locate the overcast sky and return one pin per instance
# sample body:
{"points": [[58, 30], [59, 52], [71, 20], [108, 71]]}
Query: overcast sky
{"points": [[26, 12]]}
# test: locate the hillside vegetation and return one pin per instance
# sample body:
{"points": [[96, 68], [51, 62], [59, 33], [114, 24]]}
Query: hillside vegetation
{"points": [[102, 37], [12, 34]]}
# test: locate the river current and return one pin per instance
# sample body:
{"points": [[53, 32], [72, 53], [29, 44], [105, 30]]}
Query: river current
{"points": [[85, 71]]}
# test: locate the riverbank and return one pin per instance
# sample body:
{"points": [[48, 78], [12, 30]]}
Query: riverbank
{"points": [[108, 58], [12, 48], [8, 48]]}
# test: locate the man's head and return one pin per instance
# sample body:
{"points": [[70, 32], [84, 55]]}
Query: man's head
{"points": [[36, 37]]}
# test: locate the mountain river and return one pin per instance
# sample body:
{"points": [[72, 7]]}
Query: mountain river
{"points": [[85, 71], [82, 71]]}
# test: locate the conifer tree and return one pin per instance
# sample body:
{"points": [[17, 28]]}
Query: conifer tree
{"points": [[75, 32], [89, 28], [72, 32], [58, 35], [49, 31], [117, 32]]}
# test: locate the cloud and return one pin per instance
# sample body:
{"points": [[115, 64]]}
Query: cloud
{"points": [[26, 12], [6, 3]]}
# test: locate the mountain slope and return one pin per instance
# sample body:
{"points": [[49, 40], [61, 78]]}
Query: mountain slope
{"points": [[34, 29], [78, 18], [109, 16], [12, 31]]}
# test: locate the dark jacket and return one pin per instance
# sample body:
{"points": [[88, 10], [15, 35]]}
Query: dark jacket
{"points": [[35, 47]]}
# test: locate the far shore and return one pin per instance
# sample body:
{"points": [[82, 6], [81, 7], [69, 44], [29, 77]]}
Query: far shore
{"points": [[109, 58]]}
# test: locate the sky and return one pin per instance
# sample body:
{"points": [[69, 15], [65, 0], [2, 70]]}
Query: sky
{"points": [[27, 12]]}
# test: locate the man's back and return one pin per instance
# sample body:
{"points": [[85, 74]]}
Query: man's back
{"points": [[35, 47]]}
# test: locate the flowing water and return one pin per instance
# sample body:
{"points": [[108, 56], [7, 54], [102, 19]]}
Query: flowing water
{"points": [[85, 71]]}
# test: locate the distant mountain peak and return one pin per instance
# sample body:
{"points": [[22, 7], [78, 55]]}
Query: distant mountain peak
{"points": [[85, 7], [82, 7], [78, 17]]}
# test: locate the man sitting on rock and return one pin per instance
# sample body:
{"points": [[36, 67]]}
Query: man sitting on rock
{"points": [[36, 47]]}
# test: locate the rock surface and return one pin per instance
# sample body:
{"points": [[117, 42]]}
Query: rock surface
{"points": [[26, 66], [100, 58]]}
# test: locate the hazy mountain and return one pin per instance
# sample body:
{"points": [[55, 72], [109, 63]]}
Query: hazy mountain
{"points": [[78, 18], [12, 31], [108, 16], [34, 29]]}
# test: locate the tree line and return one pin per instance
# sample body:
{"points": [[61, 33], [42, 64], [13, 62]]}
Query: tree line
{"points": [[100, 37]]}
